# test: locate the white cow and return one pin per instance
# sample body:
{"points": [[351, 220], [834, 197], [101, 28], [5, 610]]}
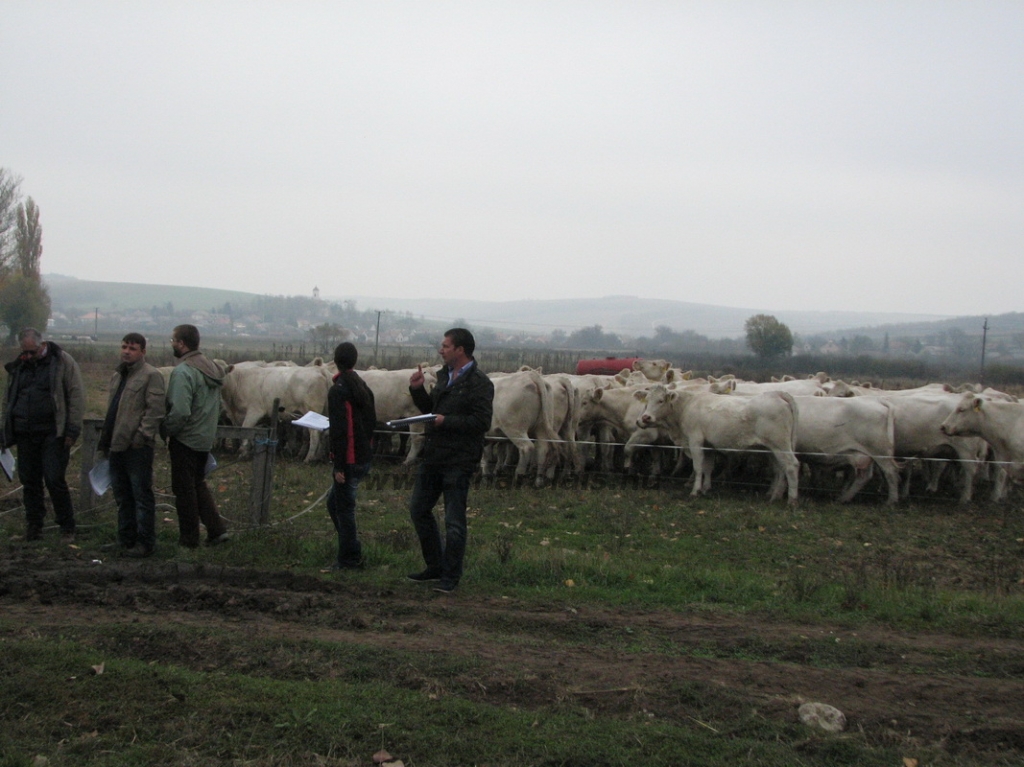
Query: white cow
{"points": [[699, 420], [798, 387], [249, 392], [615, 410], [392, 400], [523, 414], [565, 402], [919, 416], [1001, 425], [593, 434], [653, 370], [858, 432]]}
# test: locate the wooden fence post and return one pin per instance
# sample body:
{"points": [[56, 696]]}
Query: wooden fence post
{"points": [[264, 454]]}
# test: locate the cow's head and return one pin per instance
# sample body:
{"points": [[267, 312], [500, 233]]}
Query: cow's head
{"points": [[657, 404], [966, 418]]}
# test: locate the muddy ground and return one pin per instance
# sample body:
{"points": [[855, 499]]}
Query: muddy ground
{"points": [[912, 691]]}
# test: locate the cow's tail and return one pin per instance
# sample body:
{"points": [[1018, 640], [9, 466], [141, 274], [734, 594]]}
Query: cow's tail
{"points": [[790, 401], [546, 429]]}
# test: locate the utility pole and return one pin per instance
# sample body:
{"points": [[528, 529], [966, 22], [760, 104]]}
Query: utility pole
{"points": [[984, 339], [376, 341]]}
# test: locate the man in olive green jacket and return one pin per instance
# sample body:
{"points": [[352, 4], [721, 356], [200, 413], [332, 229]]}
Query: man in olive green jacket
{"points": [[193, 409]]}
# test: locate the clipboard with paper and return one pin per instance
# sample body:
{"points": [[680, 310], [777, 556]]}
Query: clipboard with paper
{"points": [[400, 422]]}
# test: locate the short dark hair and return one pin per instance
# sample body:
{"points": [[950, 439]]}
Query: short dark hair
{"points": [[345, 355], [32, 333], [461, 337], [188, 335], [135, 338]]}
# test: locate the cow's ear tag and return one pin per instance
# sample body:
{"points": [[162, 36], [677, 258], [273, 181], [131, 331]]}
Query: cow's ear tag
{"points": [[977, 405]]}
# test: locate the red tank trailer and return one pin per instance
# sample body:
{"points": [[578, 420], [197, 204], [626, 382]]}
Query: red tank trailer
{"points": [[607, 366]]}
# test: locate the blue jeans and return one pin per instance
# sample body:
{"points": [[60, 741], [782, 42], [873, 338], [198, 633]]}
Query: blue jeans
{"points": [[131, 478], [431, 482], [43, 458], [341, 505]]}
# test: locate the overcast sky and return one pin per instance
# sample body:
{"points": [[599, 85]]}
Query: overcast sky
{"points": [[863, 156]]}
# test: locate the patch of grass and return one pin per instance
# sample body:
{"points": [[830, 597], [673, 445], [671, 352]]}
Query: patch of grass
{"points": [[163, 712], [921, 567]]}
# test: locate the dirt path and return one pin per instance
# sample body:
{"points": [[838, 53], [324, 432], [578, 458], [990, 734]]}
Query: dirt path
{"points": [[899, 689]]}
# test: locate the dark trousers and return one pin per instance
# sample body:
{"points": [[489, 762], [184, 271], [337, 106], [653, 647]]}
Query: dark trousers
{"points": [[131, 478], [192, 497], [431, 483], [341, 505], [43, 459]]}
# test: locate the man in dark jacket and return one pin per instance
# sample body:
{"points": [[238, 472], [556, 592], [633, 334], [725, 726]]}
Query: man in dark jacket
{"points": [[454, 443], [351, 411], [43, 413], [135, 408]]}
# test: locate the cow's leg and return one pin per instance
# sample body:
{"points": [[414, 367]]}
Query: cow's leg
{"points": [[790, 468], [313, 452], [969, 465], [702, 466], [639, 438], [863, 470], [891, 472], [249, 422], [415, 442], [606, 440], [778, 486], [527, 453], [1002, 477]]}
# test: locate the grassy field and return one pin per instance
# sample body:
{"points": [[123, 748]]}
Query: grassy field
{"points": [[599, 622]]}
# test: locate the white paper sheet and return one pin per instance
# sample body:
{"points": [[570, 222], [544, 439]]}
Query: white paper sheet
{"points": [[313, 420], [7, 463], [99, 476]]}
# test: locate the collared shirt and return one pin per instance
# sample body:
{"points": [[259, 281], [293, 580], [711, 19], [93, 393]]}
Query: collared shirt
{"points": [[455, 375]]}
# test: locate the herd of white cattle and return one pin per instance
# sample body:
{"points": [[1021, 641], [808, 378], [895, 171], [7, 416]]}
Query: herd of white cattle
{"points": [[545, 423]]}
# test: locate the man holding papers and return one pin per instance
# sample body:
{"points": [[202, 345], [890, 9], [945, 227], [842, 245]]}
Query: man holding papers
{"points": [[353, 418], [461, 402], [43, 413], [135, 407]]}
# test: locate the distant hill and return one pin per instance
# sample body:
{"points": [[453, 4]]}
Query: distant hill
{"points": [[624, 315], [999, 326], [70, 292]]}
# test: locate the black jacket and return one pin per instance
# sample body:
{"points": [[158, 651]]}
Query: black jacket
{"points": [[351, 438], [466, 407], [65, 386]]}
